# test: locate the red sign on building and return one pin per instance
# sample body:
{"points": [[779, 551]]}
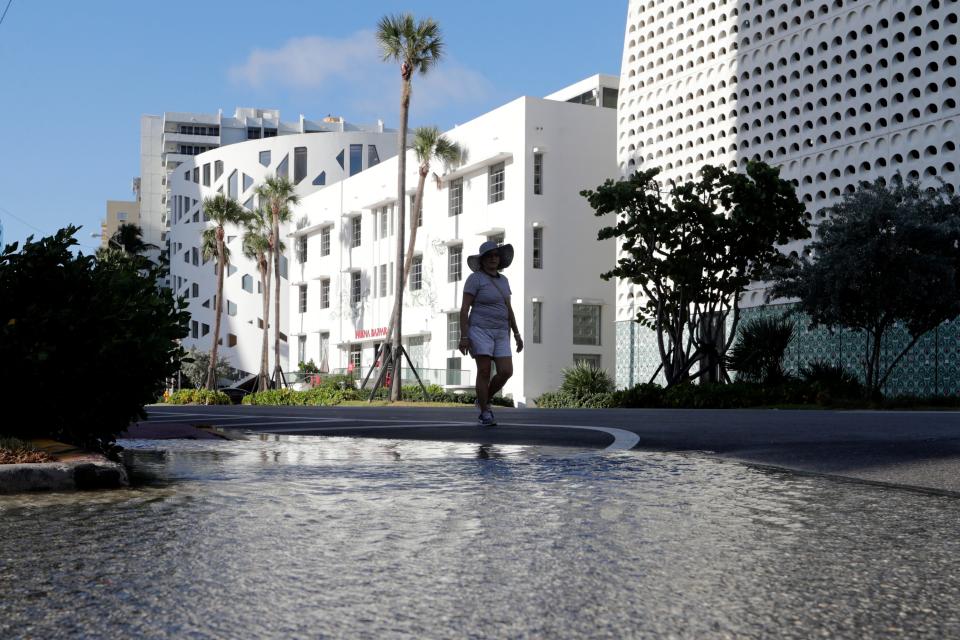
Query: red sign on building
{"points": [[371, 333]]}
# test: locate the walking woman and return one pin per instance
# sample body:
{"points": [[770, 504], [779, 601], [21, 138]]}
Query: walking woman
{"points": [[486, 320]]}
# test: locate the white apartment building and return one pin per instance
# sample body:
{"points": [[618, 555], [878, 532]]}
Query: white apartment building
{"points": [[525, 164], [168, 140], [832, 91], [312, 161]]}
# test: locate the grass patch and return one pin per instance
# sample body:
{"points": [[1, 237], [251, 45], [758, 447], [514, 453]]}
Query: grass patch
{"points": [[403, 403], [14, 451]]}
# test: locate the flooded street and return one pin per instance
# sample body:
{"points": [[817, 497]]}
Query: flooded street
{"points": [[305, 537]]}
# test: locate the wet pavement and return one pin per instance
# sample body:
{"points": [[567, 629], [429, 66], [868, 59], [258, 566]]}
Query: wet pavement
{"points": [[300, 536]]}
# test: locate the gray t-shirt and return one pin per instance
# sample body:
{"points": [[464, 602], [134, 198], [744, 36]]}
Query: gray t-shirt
{"points": [[489, 309]]}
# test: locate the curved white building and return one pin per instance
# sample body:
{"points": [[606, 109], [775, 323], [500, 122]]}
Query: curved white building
{"points": [[832, 91], [311, 161]]}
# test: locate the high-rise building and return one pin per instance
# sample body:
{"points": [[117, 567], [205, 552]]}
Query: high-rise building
{"points": [[119, 212], [831, 91]]}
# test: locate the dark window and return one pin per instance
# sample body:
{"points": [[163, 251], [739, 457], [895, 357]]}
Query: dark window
{"points": [[302, 249], [355, 287], [373, 158], [455, 198], [206, 175], [538, 174], [320, 180], [586, 324], [453, 330], [454, 263], [340, 158], [538, 247], [303, 298], [535, 317], [217, 169], [232, 185], [196, 175], [253, 133], [356, 159], [299, 164], [283, 169], [495, 183], [609, 98], [416, 273], [324, 294], [325, 241], [355, 231]]}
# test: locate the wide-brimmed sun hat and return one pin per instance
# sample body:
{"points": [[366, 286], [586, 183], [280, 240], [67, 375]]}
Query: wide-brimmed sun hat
{"points": [[505, 251]]}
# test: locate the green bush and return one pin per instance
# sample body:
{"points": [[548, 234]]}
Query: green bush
{"points": [[85, 343], [318, 396], [584, 379], [758, 354], [198, 396], [830, 382], [640, 395]]}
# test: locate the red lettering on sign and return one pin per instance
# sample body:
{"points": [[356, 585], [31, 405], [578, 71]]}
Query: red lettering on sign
{"points": [[371, 333]]}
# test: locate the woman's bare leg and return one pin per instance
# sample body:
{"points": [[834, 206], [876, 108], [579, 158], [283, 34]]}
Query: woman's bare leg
{"points": [[504, 371], [483, 382]]}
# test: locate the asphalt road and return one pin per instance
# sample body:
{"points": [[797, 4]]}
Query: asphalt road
{"points": [[906, 448]]}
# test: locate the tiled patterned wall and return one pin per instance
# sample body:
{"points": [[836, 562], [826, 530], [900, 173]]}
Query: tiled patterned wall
{"points": [[932, 367]]}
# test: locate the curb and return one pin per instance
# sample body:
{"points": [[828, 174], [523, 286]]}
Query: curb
{"points": [[82, 472]]}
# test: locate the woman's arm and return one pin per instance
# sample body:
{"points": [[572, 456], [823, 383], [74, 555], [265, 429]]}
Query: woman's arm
{"points": [[465, 305], [513, 326]]}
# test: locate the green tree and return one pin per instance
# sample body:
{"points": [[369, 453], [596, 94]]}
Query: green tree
{"points": [[277, 194], [257, 247], [83, 353], [127, 241], [221, 211], [196, 367], [428, 144], [886, 254], [693, 248], [760, 349], [417, 46]]}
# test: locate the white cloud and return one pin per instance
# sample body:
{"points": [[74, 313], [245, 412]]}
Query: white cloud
{"points": [[351, 70]]}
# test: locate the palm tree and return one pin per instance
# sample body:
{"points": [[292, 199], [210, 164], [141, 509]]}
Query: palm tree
{"points": [[129, 239], [417, 46], [221, 211], [428, 143], [256, 246], [277, 194]]}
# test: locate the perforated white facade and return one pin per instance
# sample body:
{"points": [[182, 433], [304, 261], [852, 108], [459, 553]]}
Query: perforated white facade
{"points": [[832, 91]]}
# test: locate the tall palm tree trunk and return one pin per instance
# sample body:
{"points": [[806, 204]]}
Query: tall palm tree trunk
{"points": [[263, 382], [277, 369], [218, 314], [406, 72]]}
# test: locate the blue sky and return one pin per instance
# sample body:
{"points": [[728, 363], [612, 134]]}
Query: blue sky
{"points": [[76, 76]]}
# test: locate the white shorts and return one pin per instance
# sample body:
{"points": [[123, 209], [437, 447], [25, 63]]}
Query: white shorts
{"points": [[489, 342]]}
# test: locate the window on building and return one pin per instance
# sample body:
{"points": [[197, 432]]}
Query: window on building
{"points": [[196, 175], [453, 371], [269, 133], [303, 298], [453, 330], [253, 133], [390, 271], [340, 158], [325, 241], [325, 294], [247, 182], [586, 324], [301, 349], [416, 274], [454, 262], [283, 169], [536, 316], [194, 329], [195, 290], [195, 256], [538, 247], [495, 183], [320, 180], [538, 174], [324, 355], [247, 282], [302, 249], [355, 351], [231, 340], [355, 231], [587, 358], [121, 216], [283, 267], [299, 164], [609, 99], [204, 329], [265, 158], [355, 289], [383, 280], [498, 238], [356, 159], [217, 169], [231, 308], [384, 222], [232, 185], [455, 197], [206, 175], [373, 158]]}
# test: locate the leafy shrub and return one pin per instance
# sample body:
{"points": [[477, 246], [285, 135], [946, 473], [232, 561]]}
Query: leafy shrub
{"points": [[68, 324], [758, 353], [195, 364], [198, 396], [308, 367], [640, 395], [584, 379], [556, 400], [318, 396], [829, 382]]}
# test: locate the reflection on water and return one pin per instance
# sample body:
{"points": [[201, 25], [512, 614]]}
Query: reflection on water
{"points": [[305, 537]]}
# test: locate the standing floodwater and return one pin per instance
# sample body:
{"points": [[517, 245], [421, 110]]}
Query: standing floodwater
{"points": [[312, 537]]}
